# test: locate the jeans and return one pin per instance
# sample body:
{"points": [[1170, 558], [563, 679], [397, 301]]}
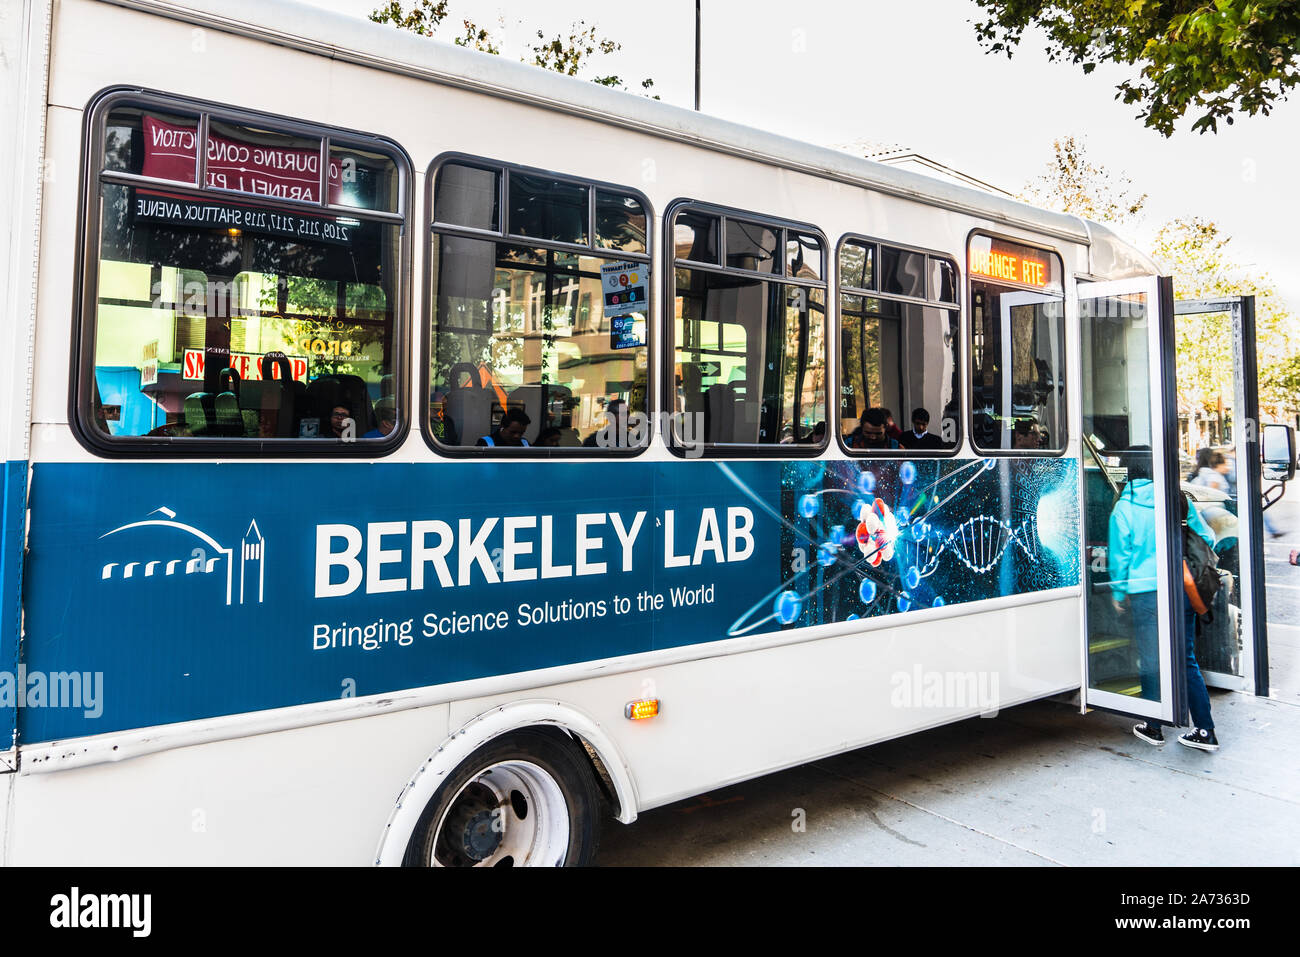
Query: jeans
{"points": [[1143, 606]]}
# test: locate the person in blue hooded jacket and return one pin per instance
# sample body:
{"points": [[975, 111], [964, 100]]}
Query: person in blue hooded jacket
{"points": [[1131, 561]]}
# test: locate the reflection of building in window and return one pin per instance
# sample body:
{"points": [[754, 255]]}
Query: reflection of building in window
{"points": [[749, 330], [532, 315], [899, 348], [219, 316]]}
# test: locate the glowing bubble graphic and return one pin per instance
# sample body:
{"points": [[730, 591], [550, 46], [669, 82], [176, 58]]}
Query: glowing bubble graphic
{"points": [[937, 603], [919, 531], [867, 591], [851, 618], [787, 607], [907, 473], [826, 553], [1057, 522], [808, 506], [859, 507], [990, 464], [837, 534], [867, 482], [904, 603], [913, 577]]}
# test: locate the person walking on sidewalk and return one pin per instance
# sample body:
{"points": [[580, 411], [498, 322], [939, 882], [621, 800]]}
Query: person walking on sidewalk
{"points": [[1131, 560]]}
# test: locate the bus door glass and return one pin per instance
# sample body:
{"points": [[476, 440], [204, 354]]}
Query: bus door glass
{"points": [[1218, 466], [1131, 611]]}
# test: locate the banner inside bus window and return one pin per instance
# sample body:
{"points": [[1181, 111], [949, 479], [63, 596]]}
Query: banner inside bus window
{"points": [[170, 152], [152, 206], [194, 590]]}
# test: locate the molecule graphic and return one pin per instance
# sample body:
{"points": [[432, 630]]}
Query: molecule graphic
{"points": [[892, 550], [877, 530]]}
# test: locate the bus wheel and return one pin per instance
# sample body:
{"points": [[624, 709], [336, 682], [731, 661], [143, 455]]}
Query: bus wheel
{"points": [[526, 799]]}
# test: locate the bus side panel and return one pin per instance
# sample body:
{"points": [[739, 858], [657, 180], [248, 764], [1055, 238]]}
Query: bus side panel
{"points": [[313, 796], [24, 51], [737, 716]]}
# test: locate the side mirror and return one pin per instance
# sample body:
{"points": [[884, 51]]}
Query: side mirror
{"points": [[1278, 448]]}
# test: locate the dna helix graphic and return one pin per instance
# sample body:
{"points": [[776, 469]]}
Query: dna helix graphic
{"points": [[978, 543]]}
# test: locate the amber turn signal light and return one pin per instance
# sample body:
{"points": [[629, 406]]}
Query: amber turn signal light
{"points": [[640, 710]]}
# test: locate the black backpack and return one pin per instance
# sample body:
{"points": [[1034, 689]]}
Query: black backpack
{"points": [[1202, 567]]}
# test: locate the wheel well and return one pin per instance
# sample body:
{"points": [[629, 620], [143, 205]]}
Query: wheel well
{"points": [[604, 783], [587, 743]]}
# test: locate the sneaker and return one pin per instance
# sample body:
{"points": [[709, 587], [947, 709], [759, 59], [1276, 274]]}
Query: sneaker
{"points": [[1151, 734], [1200, 739]]}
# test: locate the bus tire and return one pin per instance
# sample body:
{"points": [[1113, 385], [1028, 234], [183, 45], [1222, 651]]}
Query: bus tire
{"points": [[525, 799]]}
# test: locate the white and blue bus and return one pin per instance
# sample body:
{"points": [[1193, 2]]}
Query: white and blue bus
{"points": [[416, 457]]}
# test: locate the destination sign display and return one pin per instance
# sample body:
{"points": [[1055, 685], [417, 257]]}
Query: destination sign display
{"points": [[1005, 261]]}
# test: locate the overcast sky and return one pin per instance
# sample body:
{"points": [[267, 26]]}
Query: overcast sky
{"points": [[912, 73]]}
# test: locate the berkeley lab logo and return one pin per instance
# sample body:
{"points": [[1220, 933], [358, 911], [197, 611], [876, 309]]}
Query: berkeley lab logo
{"points": [[180, 549]]}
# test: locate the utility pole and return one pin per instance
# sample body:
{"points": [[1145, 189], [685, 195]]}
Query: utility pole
{"points": [[697, 55]]}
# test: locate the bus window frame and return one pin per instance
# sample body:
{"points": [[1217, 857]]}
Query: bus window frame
{"points": [[86, 272], [957, 307], [1033, 243], [433, 228], [709, 450]]}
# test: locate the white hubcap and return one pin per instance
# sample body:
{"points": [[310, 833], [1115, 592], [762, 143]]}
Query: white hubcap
{"points": [[511, 814]]}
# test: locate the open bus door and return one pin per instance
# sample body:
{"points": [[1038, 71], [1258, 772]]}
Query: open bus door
{"points": [[1134, 660], [1232, 647]]}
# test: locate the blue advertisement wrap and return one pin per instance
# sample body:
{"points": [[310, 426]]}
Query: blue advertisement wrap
{"points": [[13, 502], [180, 591]]}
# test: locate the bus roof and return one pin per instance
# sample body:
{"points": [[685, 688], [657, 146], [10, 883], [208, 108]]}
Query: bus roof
{"points": [[381, 46]]}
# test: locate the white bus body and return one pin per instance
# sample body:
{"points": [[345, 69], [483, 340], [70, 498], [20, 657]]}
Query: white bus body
{"points": [[344, 781]]}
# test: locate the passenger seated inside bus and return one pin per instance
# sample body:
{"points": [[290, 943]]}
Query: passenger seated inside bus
{"points": [[870, 433], [816, 435], [510, 433], [891, 427], [385, 418], [920, 436], [340, 421]]}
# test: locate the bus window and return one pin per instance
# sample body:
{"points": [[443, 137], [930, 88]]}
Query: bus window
{"points": [[258, 316], [367, 180], [548, 209], [265, 163], [538, 339], [468, 196], [620, 222], [803, 256], [135, 138], [695, 237], [1017, 348], [899, 357], [753, 247], [748, 352]]}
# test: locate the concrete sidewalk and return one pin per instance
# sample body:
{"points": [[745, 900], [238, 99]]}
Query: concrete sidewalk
{"points": [[1038, 785]]}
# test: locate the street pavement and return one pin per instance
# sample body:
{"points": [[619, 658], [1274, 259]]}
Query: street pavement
{"points": [[1039, 785]]}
